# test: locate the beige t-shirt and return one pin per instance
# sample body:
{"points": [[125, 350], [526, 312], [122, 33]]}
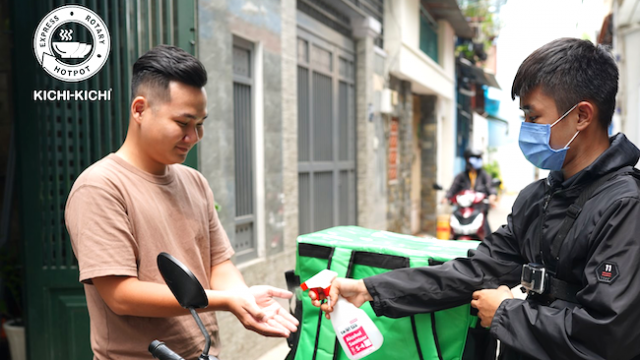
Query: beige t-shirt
{"points": [[120, 218]]}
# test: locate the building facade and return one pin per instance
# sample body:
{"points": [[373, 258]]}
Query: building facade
{"points": [[419, 43], [322, 113]]}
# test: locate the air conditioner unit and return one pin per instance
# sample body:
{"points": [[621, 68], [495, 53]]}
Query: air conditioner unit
{"points": [[383, 101]]}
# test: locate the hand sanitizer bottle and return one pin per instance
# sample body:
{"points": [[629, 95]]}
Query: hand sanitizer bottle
{"points": [[357, 334]]}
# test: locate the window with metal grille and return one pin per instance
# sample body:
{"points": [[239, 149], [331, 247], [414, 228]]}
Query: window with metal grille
{"points": [[428, 35], [326, 134], [244, 242], [339, 21]]}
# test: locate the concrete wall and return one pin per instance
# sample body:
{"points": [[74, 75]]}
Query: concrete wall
{"points": [[377, 158], [290, 125], [422, 140], [399, 190], [435, 83], [626, 49], [429, 146], [270, 25], [416, 167], [368, 129]]}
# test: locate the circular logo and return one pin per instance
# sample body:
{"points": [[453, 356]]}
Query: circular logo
{"points": [[72, 43]]}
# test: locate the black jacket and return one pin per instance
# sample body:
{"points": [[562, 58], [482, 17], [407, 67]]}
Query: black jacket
{"points": [[463, 182], [601, 254]]}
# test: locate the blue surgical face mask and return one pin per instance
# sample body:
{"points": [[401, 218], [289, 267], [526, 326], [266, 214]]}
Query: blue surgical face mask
{"points": [[475, 162], [534, 143]]}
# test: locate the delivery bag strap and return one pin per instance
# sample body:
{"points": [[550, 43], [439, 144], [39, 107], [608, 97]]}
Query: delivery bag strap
{"points": [[561, 289], [573, 212]]}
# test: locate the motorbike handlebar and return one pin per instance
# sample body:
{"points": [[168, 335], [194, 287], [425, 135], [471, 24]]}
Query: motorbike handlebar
{"points": [[161, 351]]}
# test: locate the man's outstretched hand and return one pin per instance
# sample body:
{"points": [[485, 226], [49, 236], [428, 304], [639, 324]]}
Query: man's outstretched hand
{"points": [[276, 315], [258, 311], [353, 291], [487, 302]]}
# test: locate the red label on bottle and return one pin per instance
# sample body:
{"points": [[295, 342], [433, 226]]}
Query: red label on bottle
{"points": [[357, 341]]}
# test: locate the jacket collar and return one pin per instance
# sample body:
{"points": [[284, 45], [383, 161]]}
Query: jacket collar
{"points": [[620, 153]]}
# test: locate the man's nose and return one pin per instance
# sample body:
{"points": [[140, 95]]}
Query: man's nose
{"points": [[191, 135]]}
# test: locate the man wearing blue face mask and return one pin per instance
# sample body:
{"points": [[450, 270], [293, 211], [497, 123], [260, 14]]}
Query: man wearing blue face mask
{"points": [[572, 240], [474, 178]]}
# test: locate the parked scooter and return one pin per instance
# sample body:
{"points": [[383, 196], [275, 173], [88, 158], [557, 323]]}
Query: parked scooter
{"points": [[191, 296], [467, 221]]}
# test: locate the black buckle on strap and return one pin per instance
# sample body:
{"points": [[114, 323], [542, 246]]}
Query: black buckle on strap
{"points": [[573, 211]]}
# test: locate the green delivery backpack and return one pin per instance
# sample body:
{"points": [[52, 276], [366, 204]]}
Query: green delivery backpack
{"points": [[355, 252]]}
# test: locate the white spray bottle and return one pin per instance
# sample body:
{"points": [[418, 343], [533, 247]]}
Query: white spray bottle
{"points": [[357, 334]]}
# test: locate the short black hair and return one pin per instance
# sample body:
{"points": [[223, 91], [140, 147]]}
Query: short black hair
{"points": [[162, 64], [571, 70]]}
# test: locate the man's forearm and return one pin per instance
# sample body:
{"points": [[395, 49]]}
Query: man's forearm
{"points": [[128, 296], [225, 276]]}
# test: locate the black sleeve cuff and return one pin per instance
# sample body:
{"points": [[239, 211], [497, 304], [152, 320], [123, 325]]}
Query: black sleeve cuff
{"points": [[376, 303]]}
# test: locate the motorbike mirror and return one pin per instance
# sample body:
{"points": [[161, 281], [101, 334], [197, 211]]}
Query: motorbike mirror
{"points": [[496, 182], [437, 186], [183, 284]]}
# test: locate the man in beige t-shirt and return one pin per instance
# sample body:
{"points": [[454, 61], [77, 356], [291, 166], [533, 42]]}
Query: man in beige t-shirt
{"points": [[128, 207]]}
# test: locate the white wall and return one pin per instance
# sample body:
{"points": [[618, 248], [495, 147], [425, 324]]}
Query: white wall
{"points": [[406, 61], [446, 47], [480, 138], [410, 21], [630, 84], [446, 142]]}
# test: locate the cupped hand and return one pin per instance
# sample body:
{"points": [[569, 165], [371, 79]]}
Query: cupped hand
{"points": [[258, 311], [275, 314]]}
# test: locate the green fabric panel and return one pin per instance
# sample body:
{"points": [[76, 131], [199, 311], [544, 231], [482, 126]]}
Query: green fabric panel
{"points": [[340, 261], [396, 331], [425, 336], [385, 242], [452, 324], [474, 322], [306, 267], [419, 262], [327, 343]]}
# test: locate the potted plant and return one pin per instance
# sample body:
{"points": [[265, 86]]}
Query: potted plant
{"points": [[11, 301]]}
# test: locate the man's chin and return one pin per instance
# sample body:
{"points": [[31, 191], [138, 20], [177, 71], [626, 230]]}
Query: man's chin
{"points": [[174, 159], [180, 158]]}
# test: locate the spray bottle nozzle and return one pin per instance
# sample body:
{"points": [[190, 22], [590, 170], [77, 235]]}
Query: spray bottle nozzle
{"points": [[320, 283]]}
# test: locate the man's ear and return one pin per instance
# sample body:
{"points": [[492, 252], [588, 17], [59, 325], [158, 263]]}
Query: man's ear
{"points": [[586, 115], [138, 106]]}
